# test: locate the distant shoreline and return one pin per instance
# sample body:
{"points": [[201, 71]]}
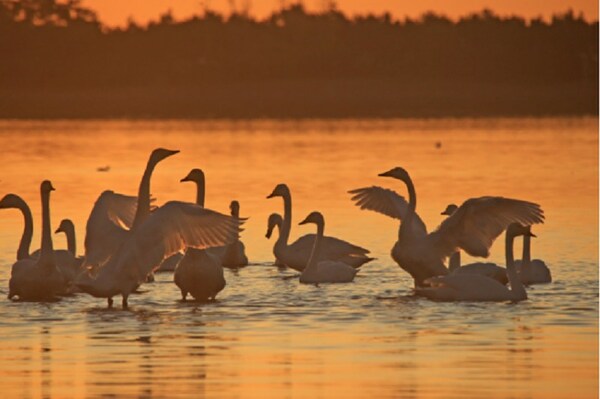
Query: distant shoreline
{"points": [[302, 99]]}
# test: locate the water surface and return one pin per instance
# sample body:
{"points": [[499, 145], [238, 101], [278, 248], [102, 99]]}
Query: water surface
{"points": [[269, 336]]}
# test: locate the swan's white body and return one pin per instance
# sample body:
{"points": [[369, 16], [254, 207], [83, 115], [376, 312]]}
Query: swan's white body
{"points": [[38, 278], [476, 287], [296, 255], [199, 273], [325, 271], [68, 264], [532, 271], [473, 227]]}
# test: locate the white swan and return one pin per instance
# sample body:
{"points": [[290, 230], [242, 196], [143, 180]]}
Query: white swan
{"points": [[487, 269], [532, 271], [296, 255], [235, 253], [199, 272], [38, 279], [475, 287], [168, 230], [114, 216], [473, 227], [325, 271], [67, 263]]}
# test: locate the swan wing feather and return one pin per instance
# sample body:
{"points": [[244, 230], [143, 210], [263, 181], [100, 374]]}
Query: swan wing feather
{"points": [[479, 221]]}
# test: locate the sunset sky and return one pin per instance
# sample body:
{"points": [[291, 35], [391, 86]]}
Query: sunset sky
{"points": [[116, 12]]}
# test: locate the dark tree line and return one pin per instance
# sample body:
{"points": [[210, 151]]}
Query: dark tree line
{"points": [[50, 45]]}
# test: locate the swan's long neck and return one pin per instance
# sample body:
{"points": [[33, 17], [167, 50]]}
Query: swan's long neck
{"points": [[23, 251], [526, 258], [517, 287], [286, 226], [69, 230], [454, 262], [316, 250], [412, 206], [143, 202], [47, 251], [200, 192]]}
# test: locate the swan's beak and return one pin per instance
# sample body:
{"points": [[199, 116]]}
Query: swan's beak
{"points": [[530, 234], [271, 195], [385, 174], [269, 232], [59, 230], [445, 213], [187, 178], [52, 187], [172, 152], [305, 221]]}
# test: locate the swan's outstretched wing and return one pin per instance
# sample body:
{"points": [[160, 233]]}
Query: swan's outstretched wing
{"points": [[333, 247], [387, 202], [479, 221], [176, 226], [107, 226]]}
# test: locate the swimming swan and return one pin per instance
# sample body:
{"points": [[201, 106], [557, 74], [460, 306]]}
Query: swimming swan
{"points": [[325, 271], [38, 278], [114, 215], [235, 253], [475, 287], [532, 271], [296, 254], [487, 269], [199, 272], [473, 227], [66, 262]]}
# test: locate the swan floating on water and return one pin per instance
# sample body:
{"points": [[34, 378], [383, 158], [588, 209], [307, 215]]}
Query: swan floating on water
{"points": [[38, 278], [296, 255], [66, 261], [532, 271], [324, 271], [235, 253], [199, 272], [476, 287], [473, 227]]}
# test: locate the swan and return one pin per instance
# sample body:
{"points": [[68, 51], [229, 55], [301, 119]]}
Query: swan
{"points": [[488, 269], [473, 227], [199, 272], [169, 229], [475, 287], [38, 278], [532, 271], [325, 271], [274, 220], [235, 255], [66, 262], [114, 216], [296, 254]]}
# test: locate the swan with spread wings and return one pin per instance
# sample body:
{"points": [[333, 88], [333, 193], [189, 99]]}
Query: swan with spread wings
{"points": [[473, 227]]}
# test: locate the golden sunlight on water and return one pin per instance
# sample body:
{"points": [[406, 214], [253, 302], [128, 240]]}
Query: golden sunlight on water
{"points": [[267, 335]]}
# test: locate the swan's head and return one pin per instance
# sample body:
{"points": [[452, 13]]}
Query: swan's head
{"points": [[275, 219], [450, 209], [195, 175], [161, 153], [397, 173], [281, 190], [64, 226], [11, 201], [516, 229], [234, 207], [314, 217], [46, 186]]}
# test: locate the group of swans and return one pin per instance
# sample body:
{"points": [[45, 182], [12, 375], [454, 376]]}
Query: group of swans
{"points": [[471, 227], [127, 238]]}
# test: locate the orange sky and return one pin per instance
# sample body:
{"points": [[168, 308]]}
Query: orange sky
{"points": [[116, 12]]}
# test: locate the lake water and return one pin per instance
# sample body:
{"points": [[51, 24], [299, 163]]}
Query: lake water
{"points": [[269, 336]]}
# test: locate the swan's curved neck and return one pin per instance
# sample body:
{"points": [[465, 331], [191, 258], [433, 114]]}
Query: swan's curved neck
{"points": [[200, 192], [143, 202], [286, 226], [24, 245], [47, 251], [316, 250], [412, 205], [526, 249], [517, 287], [454, 262], [69, 230]]}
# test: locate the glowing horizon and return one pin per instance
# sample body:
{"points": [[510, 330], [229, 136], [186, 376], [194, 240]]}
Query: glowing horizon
{"points": [[117, 13]]}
